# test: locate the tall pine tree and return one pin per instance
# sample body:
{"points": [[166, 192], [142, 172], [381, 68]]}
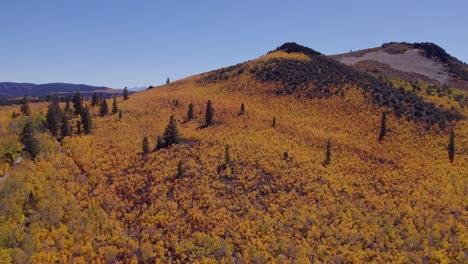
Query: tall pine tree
{"points": [[145, 145], [227, 154], [328, 154], [77, 103], [30, 143], [25, 109], [115, 108], [66, 127], [54, 118], [95, 99], [451, 146], [87, 122], [209, 114], [79, 126], [383, 127], [242, 109], [67, 109], [190, 114], [160, 143], [104, 108], [125, 93], [180, 169], [171, 133]]}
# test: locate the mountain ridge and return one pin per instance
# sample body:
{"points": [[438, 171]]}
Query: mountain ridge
{"points": [[13, 89], [410, 62], [321, 76]]}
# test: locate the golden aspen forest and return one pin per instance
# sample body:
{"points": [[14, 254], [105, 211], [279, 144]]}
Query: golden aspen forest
{"points": [[293, 167]]}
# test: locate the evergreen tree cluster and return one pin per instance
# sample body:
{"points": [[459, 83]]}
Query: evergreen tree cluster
{"points": [[30, 143], [58, 121], [170, 137], [25, 109]]}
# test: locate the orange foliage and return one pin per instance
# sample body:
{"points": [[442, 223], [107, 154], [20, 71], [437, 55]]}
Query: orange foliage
{"points": [[399, 201]]}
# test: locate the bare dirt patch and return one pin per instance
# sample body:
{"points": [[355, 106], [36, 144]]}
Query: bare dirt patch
{"points": [[410, 61]]}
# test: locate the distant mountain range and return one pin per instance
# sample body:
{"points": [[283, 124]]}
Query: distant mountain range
{"points": [[11, 89]]}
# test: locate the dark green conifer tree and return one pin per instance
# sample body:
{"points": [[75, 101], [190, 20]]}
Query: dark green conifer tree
{"points": [[242, 109], [451, 146], [13, 115], [87, 122], [180, 169], [209, 114], [66, 127], [273, 122], [54, 118], [125, 93], [171, 133], [28, 140], [25, 109], [67, 109], [145, 145], [104, 108], [168, 80], [77, 103], [115, 108], [160, 143], [32, 200], [95, 99], [383, 126], [78, 127], [227, 154], [190, 114], [120, 114]]}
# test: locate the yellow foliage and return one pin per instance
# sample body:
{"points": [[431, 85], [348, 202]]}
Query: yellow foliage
{"points": [[100, 199]]}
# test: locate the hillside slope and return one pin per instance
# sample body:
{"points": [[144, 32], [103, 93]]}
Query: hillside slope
{"points": [[410, 62], [272, 199]]}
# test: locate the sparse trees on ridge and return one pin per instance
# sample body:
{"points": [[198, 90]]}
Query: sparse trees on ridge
{"points": [[67, 109], [78, 126], [125, 93], [451, 146], [25, 109], [145, 145], [171, 133], [383, 126], [54, 118], [190, 114], [180, 169], [95, 99], [209, 114], [104, 108], [66, 127], [115, 108], [77, 103], [87, 122], [28, 140], [159, 143]]}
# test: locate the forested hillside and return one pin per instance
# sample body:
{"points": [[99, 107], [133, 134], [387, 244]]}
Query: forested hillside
{"points": [[255, 163]]}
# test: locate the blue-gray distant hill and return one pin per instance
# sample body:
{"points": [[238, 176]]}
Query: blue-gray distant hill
{"points": [[11, 90]]}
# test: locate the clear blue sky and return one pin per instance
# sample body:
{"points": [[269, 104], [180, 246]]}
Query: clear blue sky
{"points": [[131, 43]]}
